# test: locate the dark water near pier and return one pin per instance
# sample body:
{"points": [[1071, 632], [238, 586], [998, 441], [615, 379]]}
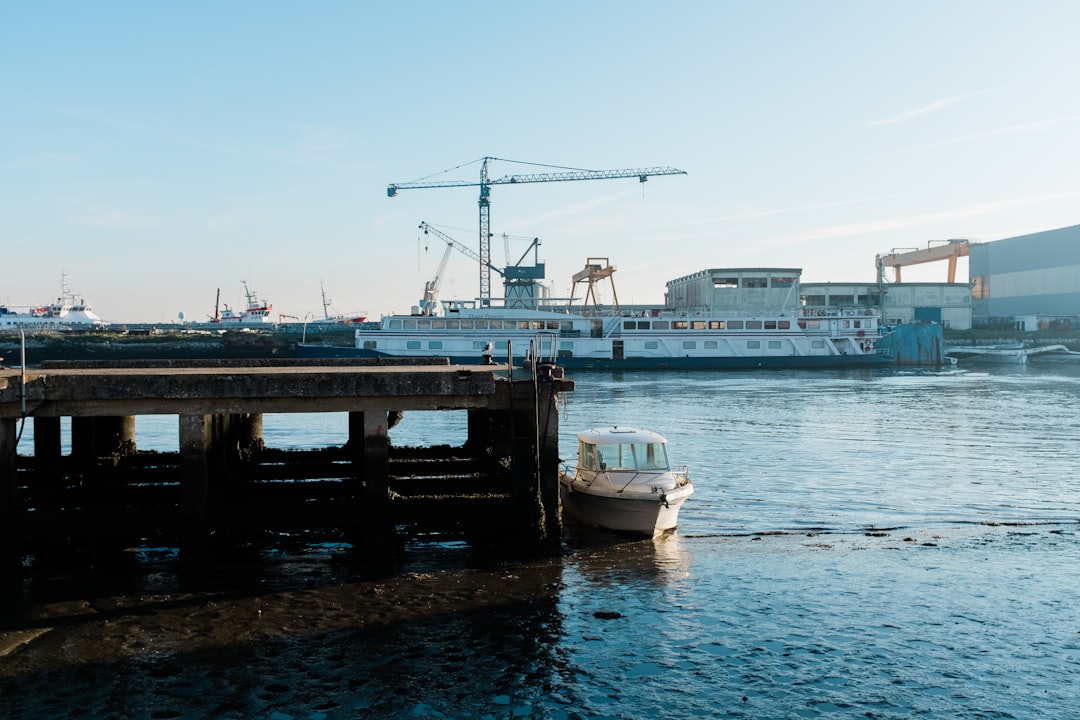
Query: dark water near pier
{"points": [[875, 544]]}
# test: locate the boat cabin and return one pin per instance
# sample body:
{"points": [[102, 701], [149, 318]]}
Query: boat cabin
{"points": [[615, 449]]}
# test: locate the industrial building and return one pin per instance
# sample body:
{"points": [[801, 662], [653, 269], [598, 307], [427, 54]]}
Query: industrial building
{"points": [[1028, 282], [767, 289]]}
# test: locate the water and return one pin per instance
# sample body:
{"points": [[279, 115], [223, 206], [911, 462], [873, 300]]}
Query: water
{"points": [[871, 544]]}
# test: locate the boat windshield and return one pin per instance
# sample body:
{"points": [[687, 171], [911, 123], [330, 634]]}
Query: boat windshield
{"points": [[625, 456]]}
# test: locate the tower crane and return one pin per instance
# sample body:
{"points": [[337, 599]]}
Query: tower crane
{"points": [[564, 174], [452, 243]]}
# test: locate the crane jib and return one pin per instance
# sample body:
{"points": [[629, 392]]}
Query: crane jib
{"points": [[642, 174]]}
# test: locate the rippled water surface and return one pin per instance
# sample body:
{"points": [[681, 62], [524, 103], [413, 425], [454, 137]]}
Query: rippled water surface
{"points": [[881, 544]]}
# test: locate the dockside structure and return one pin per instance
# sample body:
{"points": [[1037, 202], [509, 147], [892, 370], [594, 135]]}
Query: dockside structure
{"points": [[224, 481]]}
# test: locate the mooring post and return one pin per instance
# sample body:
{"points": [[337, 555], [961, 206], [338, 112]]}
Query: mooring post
{"points": [[195, 442], [83, 446], [249, 433], [369, 451], [547, 433], [48, 480], [9, 497]]}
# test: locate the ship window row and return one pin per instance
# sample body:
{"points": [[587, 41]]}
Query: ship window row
{"points": [[478, 324], [731, 283], [845, 324], [707, 324], [478, 345], [566, 348]]}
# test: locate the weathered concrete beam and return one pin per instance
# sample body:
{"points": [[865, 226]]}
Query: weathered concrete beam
{"points": [[218, 390]]}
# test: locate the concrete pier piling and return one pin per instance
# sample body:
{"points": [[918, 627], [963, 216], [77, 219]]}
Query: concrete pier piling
{"points": [[224, 481]]}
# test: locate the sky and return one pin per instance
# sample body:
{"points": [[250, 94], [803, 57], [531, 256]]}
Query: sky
{"points": [[154, 154]]}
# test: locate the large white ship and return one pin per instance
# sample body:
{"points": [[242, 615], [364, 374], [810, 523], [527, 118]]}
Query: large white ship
{"points": [[742, 318], [69, 312]]}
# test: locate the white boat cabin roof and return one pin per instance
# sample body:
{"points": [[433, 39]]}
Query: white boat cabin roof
{"points": [[617, 435]]}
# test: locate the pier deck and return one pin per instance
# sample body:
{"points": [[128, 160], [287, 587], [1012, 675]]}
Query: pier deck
{"points": [[503, 480]]}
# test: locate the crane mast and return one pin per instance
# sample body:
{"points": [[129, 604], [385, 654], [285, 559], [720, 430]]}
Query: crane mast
{"points": [[484, 203]]}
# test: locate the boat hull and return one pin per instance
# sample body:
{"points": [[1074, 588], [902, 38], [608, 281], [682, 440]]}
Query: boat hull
{"points": [[639, 515], [777, 362]]}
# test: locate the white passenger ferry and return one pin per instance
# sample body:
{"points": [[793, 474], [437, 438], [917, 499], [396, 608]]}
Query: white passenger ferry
{"points": [[731, 326], [69, 312]]}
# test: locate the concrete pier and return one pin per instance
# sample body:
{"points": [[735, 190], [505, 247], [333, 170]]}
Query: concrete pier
{"points": [[224, 481]]}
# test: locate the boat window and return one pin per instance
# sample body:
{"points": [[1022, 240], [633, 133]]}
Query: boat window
{"points": [[660, 324], [689, 344], [369, 345], [817, 344], [523, 324], [632, 456], [651, 345], [435, 345], [552, 324], [782, 282], [566, 325], [679, 325], [697, 325], [784, 324], [537, 325], [479, 344], [654, 457], [846, 324], [413, 345], [842, 299], [436, 324], [629, 325], [452, 325], [710, 345], [735, 324], [857, 324], [774, 344], [587, 455], [466, 324], [409, 324], [753, 324], [423, 324], [753, 344], [770, 324], [725, 282], [755, 282], [813, 324], [716, 324]]}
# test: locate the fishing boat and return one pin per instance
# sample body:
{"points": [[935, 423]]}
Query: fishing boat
{"points": [[622, 481], [257, 311], [757, 324], [69, 312], [330, 315]]}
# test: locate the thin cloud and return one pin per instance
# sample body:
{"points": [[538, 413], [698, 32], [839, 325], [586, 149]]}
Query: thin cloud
{"points": [[935, 105], [1019, 128], [879, 226]]}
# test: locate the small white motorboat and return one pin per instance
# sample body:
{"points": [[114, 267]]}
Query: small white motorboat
{"points": [[622, 481]]}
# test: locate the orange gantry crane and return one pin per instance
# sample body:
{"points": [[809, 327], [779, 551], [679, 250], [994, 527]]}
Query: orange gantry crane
{"points": [[944, 250]]}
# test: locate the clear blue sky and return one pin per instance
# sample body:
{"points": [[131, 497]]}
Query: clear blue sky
{"points": [[158, 151]]}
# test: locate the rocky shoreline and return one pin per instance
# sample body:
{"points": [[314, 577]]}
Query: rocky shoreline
{"points": [[164, 344]]}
